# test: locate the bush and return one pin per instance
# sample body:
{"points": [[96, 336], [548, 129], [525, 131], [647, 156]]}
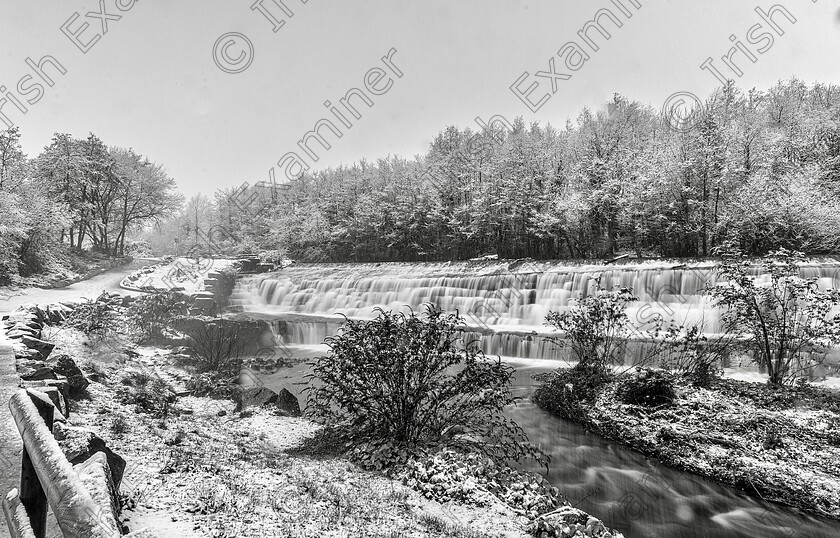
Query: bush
{"points": [[119, 425], [689, 351], [404, 381], [213, 384], [569, 392], [648, 388], [216, 344], [596, 327], [785, 319], [99, 318], [149, 393], [152, 313]]}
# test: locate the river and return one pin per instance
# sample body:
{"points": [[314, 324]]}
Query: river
{"points": [[628, 491]]}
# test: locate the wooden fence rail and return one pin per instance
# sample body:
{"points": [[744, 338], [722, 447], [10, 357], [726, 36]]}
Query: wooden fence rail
{"points": [[47, 479]]}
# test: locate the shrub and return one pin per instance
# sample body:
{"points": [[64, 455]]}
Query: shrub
{"points": [[149, 393], [216, 344], [404, 380], [97, 319], [152, 313], [596, 327], [689, 351], [773, 438], [569, 392], [213, 384], [648, 388], [119, 425]]}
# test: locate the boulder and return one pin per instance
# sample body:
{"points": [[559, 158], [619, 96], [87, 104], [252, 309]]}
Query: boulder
{"points": [[57, 399], [288, 403], [66, 366], [80, 444], [17, 334], [57, 312], [44, 348], [40, 374], [27, 354], [285, 401], [27, 328], [60, 383], [254, 396]]}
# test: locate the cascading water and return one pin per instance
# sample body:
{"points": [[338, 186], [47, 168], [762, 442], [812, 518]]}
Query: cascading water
{"points": [[504, 304]]}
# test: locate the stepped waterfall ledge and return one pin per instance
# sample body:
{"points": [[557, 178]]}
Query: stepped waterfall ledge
{"points": [[505, 305]]}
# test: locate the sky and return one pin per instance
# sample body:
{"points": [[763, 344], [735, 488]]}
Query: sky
{"points": [[178, 82]]}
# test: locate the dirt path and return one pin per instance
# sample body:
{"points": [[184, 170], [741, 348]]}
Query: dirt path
{"points": [[90, 288]]}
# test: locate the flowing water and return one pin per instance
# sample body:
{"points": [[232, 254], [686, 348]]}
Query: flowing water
{"points": [[504, 305]]}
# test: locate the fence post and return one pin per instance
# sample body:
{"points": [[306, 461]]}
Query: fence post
{"points": [[32, 495]]}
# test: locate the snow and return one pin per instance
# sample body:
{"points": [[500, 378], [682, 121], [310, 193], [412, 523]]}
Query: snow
{"points": [[185, 273]]}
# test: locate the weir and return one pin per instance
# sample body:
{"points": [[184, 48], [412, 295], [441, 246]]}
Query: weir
{"points": [[504, 303]]}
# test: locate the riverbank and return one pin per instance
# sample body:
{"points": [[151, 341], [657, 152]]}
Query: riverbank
{"points": [[779, 445]]}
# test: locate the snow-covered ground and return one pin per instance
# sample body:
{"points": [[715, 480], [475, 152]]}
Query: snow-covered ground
{"points": [[184, 274]]}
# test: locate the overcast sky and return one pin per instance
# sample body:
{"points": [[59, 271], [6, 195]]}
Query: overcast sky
{"points": [[151, 82]]}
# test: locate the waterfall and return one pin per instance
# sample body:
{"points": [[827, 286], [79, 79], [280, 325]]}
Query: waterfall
{"points": [[504, 304]]}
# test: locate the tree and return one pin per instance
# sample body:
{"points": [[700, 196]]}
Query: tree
{"points": [[785, 318], [145, 195], [13, 162]]}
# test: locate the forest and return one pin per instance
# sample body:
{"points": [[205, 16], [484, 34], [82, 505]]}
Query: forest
{"points": [[760, 171]]}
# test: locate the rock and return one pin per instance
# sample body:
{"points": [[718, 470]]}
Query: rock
{"points": [[288, 403], [57, 312], [44, 348], [40, 374], [284, 401], [66, 366], [205, 305], [254, 396], [60, 383], [57, 399], [96, 475], [27, 328], [80, 444], [28, 355], [17, 334]]}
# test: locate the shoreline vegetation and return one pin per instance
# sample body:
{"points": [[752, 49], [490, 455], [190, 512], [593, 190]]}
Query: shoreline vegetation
{"points": [[779, 444], [777, 441]]}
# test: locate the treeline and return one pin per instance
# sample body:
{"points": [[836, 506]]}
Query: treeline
{"points": [[760, 171], [77, 194]]}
